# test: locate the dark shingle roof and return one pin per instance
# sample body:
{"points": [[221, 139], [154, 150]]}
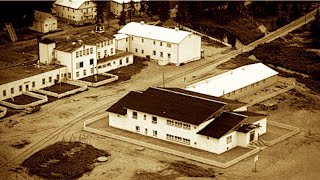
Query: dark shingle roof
{"points": [[159, 102], [222, 124]]}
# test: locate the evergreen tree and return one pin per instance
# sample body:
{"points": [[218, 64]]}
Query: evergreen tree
{"points": [[101, 5], [122, 18], [164, 12]]}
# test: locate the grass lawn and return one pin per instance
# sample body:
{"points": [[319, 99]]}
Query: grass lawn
{"points": [[22, 99], [61, 88], [63, 160]]}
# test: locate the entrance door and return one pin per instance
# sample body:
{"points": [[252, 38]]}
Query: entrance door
{"points": [[252, 136]]}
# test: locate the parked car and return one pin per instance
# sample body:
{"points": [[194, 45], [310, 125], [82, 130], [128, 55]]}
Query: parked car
{"points": [[32, 109]]}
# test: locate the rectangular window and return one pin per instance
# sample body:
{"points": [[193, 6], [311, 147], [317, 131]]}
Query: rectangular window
{"points": [[160, 43], [132, 38], [127, 60], [91, 61], [88, 51], [109, 64], [161, 54], [77, 54], [145, 131], [84, 52], [105, 52], [142, 51], [43, 81], [154, 42], [178, 124], [20, 88], [136, 50], [50, 79], [154, 53], [169, 55], [142, 40], [99, 55], [170, 122], [12, 90], [120, 61], [229, 139], [81, 64], [111, 50], [186, 141], [77, 74], [154, 120], [91, 50], [33, 84], [80, 53], [155, 133], [186, 126], [144, 117], [126, 39], [4, 93], [84, 72], [137, 128], [134, 115], [168, 45]]}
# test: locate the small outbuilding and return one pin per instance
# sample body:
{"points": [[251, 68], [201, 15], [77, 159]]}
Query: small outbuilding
{"points": [[44, 22]]}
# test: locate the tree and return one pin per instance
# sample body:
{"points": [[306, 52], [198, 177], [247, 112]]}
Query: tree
{"points": [[122, 18], [164, 10], [153, 8], [182, 14], [101, 6]]}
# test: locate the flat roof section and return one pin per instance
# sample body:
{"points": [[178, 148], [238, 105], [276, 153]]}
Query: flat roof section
{"points": [[117, 55], [18, 72]]}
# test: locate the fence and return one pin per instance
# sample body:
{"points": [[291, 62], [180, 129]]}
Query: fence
{"points": [[42, 100], [82, 87], [294, 131], [164, 149]]}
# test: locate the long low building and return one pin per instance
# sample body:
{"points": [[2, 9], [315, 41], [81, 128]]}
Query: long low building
{"points": [[164, 45], [236, 82], [192, 119]]}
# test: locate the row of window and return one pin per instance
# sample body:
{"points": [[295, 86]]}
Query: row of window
{"points": [[80, 64], [27, 87], [114, 62], [155, 53], [178, 139], [84, 72], [104, 43], [135, 116], [155, 43], [178, 124], [244, 88], [105, 53], [84, 52], [154, 132]]}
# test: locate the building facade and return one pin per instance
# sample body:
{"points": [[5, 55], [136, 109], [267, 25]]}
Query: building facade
{"points": [[76, 12], [44, 22], [240, 81], [162, 44], [208, 124]]}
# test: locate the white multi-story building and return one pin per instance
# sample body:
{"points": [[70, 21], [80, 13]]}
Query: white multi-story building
{"points": [[162, 44], [240, 81], [116, 6], [76, 12], [192, 119]]}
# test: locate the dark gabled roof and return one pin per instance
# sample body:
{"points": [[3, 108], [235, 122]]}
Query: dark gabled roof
{"points": [[177, 106], [222, 124]]}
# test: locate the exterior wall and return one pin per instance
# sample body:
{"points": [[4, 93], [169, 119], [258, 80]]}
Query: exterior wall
{"points": [[27, 83], [244, 138], [146, 127], [251, 88], [116, 8], [106, 48], [50, 24], [46, 52], [144, 47], [189, 49], [65, 59], [115, 63], [263, 124], [122, 44], [86, 13]]}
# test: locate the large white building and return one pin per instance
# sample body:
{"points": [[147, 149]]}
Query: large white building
{"points": [[76, 12], [162, 44], [116, 6], [44, 22], [192, 119], [236, 82]]}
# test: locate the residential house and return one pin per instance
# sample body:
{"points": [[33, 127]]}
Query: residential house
{"points": [[192, 119], [76, 12], [162, 44], [237, 82], [116, 6], [44, 22]]}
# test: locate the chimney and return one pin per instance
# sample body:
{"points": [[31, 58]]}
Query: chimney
{"points": [[142, 22], [176, 28]]}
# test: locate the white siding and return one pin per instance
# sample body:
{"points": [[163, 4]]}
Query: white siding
{"points": [[189, 49], [115, 63], [46, 52]]}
